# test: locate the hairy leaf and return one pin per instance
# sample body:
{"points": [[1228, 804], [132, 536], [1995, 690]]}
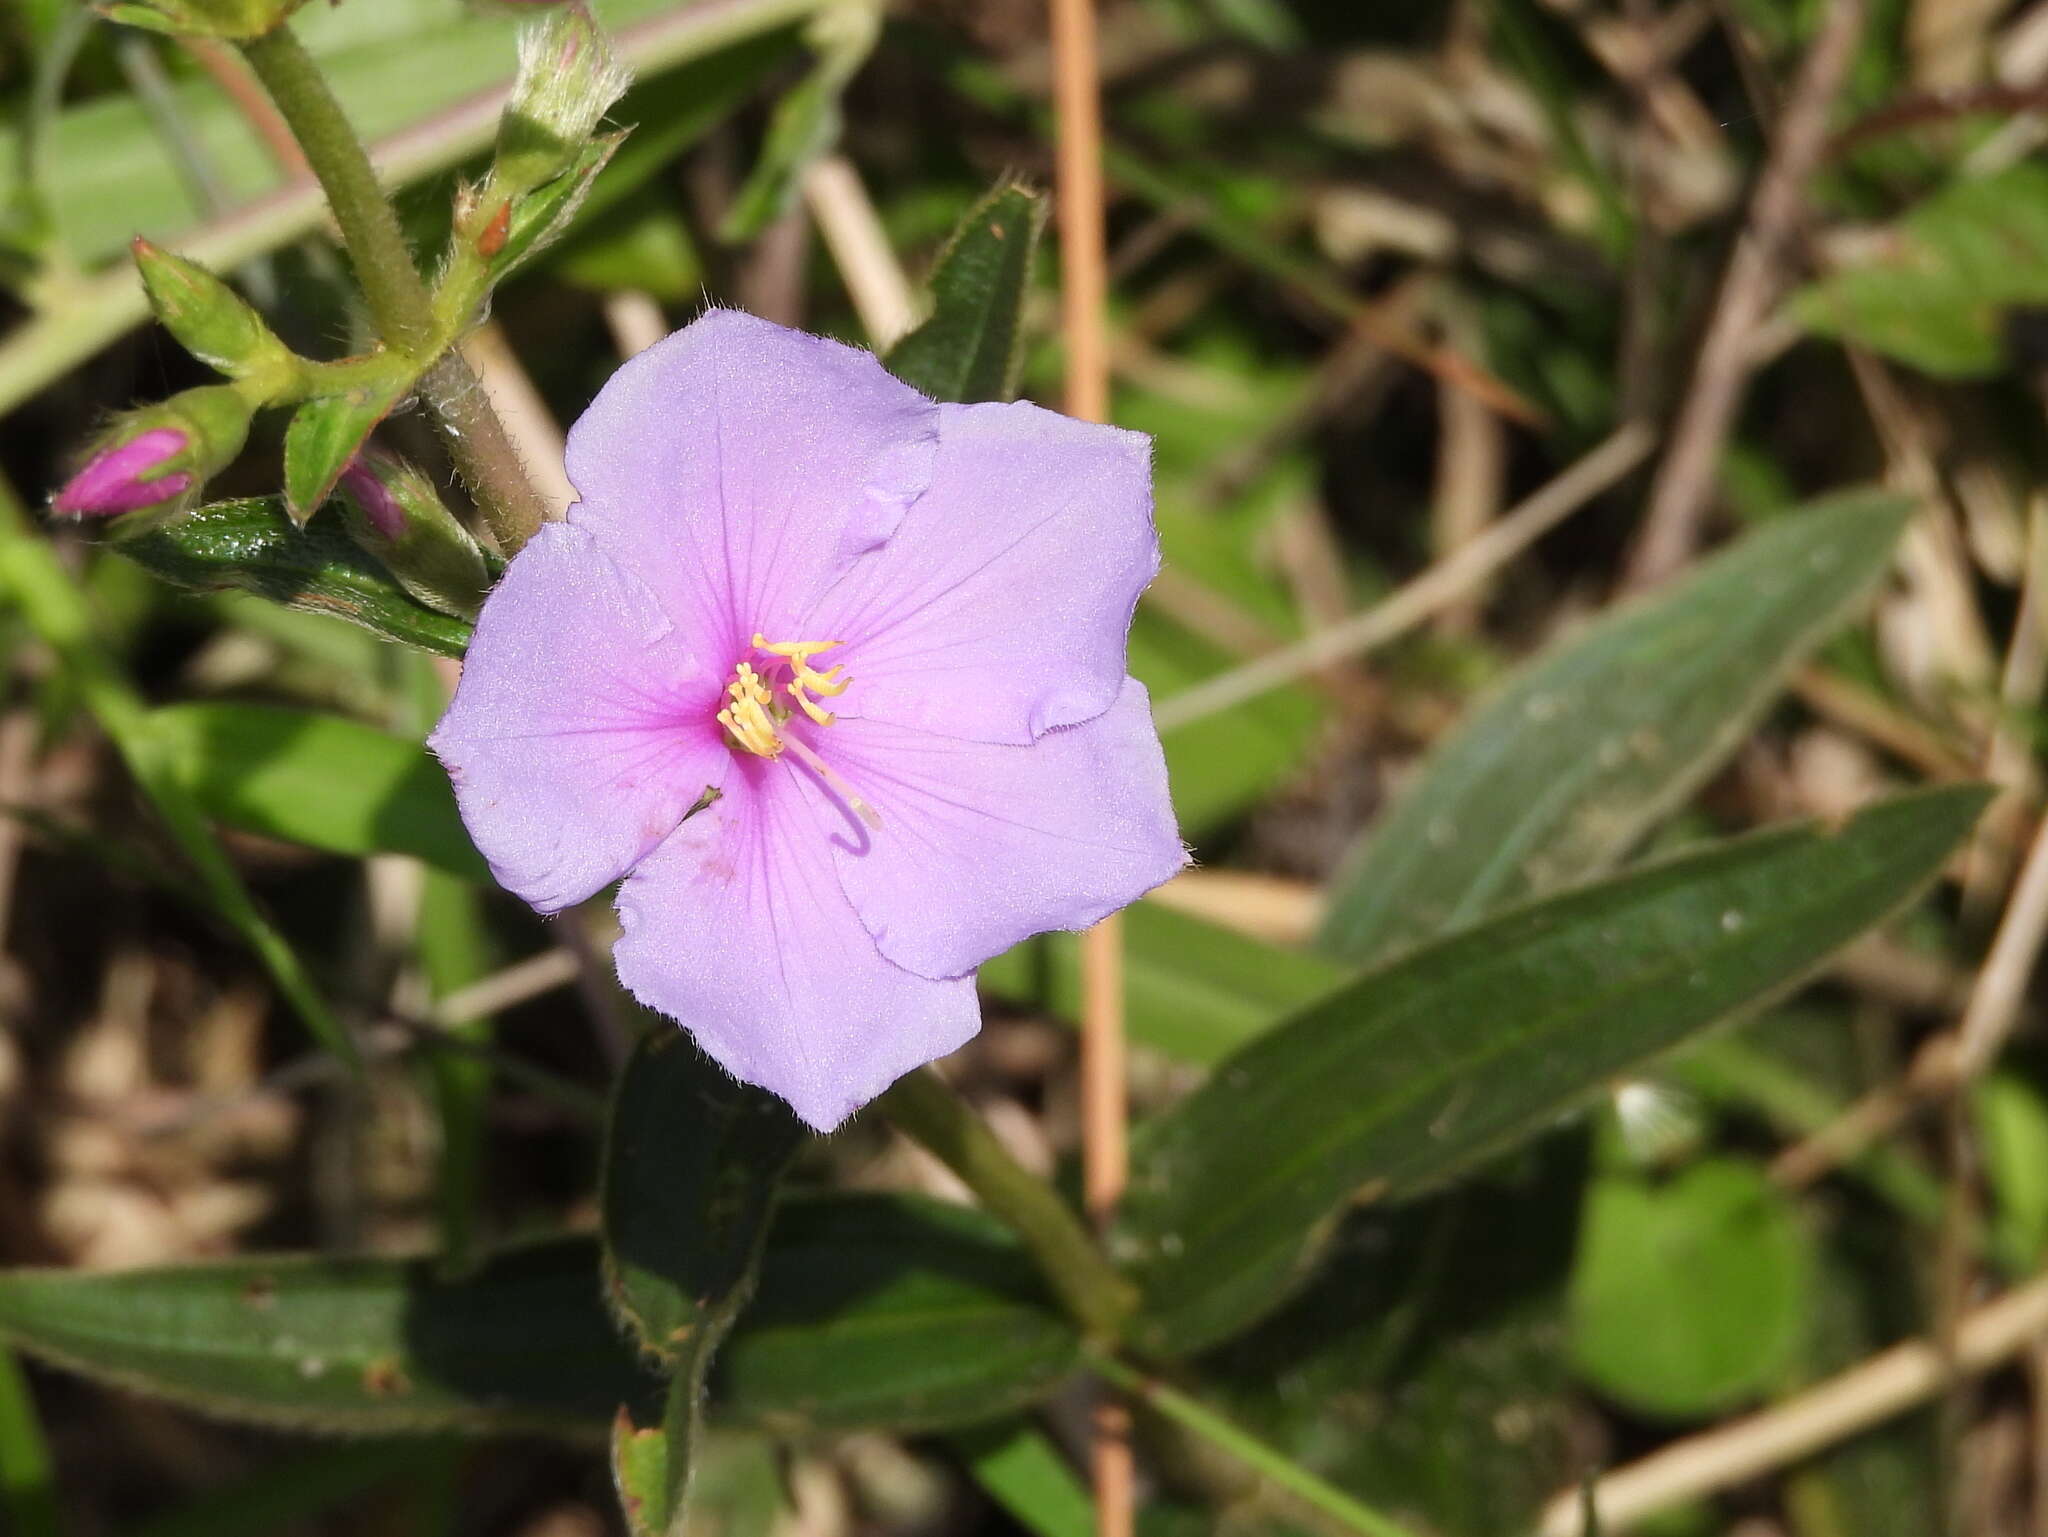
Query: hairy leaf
{"points": [[971, 347], [1568, 765], [1466, 1045], [252, 546], [873, 1312]]}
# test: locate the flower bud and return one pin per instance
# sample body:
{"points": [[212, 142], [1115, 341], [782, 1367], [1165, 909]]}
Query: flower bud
{"points": [[240, 19], [208, 317], [568, 79], [157, 456], [127, 475], [393, 512]]}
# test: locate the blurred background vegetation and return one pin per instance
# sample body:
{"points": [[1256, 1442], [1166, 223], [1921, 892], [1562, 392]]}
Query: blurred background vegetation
{"points": [[1380, 272]]}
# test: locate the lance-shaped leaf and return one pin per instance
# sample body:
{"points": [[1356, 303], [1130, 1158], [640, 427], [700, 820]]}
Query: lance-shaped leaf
{"points": [[971, 347], [692, 1159], [1575, 758], [1465, 1045], [326, 433], [321, 780], [873, 1312], [251, 546], [372, 1346]]}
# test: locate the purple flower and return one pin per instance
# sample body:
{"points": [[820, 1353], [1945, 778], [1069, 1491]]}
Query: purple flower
{"points": [[118, 479], [835, 677]]}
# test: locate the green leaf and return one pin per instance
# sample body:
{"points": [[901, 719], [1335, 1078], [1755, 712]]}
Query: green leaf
{"points": [[28, 1490], [321, 780], [889, 1310], [1577, 756], [1933, 289], [872, 1312], [1691, 1295], [373, 1346], [971, 347], [649, 1498], [1195, 991], [252, 546], [328, 431], [1466, 1045], [692, 1161]]}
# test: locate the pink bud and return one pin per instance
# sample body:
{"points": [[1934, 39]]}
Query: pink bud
{"points": [[116, 479], [375, 498]]}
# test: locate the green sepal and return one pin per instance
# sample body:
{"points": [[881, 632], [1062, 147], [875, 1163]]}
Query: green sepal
{"points": [[971, 347], [209, 319], [326, 433], [252, 546]]}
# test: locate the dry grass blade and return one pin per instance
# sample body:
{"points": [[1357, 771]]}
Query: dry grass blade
{"points": [[1442, 584]]}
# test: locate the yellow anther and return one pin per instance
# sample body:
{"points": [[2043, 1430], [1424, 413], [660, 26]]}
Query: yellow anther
{"points": [[749, 720], [805, 680]]}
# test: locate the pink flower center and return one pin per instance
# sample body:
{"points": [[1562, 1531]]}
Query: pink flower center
{"points": [[755, 717]]}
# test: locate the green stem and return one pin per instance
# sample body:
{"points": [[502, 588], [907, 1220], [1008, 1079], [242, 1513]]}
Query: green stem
{"points": [[926, 1110], [369, 225], [1276, 1467], [483, 455]]}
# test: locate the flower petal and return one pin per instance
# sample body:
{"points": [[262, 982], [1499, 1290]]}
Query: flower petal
{"points": [[738, 468], [737, 928], [582, 730], [983, 844], [1001, 607]]}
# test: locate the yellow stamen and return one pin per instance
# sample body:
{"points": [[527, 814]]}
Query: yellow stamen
{"points": [[805, 679], [749, 720]]}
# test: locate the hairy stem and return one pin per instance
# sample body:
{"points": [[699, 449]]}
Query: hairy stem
{"points": [[369, 226], [926, 1110], [484, 456]]}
